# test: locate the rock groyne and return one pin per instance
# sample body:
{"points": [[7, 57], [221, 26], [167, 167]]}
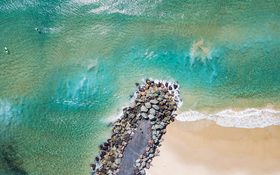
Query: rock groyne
{"points": [[137, 135]]}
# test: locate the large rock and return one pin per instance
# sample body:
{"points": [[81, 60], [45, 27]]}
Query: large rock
{"points": [[144, 109], [156, 107], [132, 105], [154, 101], [152, 111], [151, 117], [144, 115], [148, 105]]}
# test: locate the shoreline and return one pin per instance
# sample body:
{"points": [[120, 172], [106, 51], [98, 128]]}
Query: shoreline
{"points": [[248, 118], [205, 148]]}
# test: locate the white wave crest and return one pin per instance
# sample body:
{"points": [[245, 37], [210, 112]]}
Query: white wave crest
{"points": [[248, 118], [16, 5], [126, 7], [8, 112], [85, 2]]}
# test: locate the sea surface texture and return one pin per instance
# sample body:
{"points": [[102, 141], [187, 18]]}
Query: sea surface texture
{"points": [[70, 66]]}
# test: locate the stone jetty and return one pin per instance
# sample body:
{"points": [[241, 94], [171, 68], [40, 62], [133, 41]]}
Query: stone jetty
{"points": [[137, 135]]}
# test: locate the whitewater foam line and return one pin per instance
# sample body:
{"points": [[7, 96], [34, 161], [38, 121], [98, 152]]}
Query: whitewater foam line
{"points": [[248, 118]]}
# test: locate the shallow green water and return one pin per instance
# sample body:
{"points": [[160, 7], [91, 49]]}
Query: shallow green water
{"points": [[58, 87]]}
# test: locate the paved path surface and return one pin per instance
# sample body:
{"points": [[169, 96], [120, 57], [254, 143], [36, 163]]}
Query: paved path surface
{"points": [[135, 147]]}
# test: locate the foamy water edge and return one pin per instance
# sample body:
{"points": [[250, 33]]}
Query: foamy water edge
{"points": [[248, 118]]}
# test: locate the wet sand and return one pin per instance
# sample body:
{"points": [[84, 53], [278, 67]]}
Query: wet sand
{"points": [[204, 148]]}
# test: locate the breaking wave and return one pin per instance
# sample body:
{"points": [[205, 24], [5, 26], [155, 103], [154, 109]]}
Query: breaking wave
{"points": [[248, 118], [16, 5], [125, 7], [9, 113]]}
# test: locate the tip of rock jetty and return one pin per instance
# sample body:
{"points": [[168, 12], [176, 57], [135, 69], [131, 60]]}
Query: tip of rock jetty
{"points": [[143, 123]]}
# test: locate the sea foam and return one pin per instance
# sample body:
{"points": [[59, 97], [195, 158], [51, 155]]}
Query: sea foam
{"points": [[9, 113], [132, 8], [248, 118], [200, 51]]}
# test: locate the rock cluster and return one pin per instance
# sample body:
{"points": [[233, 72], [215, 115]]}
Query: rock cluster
{"points": [[156, 102]]}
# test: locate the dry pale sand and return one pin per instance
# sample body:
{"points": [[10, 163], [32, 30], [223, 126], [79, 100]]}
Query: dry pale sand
{"points": [[204, 148]]}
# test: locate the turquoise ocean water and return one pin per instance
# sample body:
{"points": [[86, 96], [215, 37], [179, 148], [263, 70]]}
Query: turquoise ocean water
{"points": [[59, 86]]}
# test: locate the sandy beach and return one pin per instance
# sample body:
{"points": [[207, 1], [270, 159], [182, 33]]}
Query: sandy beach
{"points": [[204, 148]]}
